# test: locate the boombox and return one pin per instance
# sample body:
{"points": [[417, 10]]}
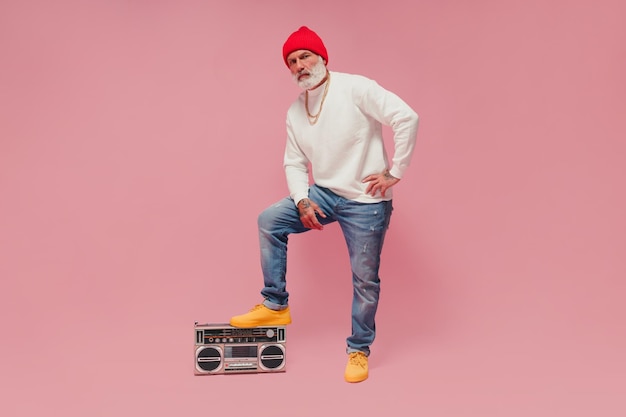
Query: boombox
{"points": [[223, 349]]}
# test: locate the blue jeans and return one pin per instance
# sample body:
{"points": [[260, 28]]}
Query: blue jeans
{"points": [[363, 225]]}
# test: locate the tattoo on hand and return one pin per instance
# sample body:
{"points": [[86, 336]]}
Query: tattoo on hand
{"points": [[305, 203]]}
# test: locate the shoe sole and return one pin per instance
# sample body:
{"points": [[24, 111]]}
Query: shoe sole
{"points": [[259, 324], [355, 380]]}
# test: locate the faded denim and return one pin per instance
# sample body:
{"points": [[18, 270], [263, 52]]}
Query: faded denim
{"points": [[364, 226]]}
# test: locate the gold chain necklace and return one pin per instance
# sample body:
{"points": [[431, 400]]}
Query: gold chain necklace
{"points": [[313, 118]]}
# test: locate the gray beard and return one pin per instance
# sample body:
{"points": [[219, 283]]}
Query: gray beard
{"points": [[316, 75]]}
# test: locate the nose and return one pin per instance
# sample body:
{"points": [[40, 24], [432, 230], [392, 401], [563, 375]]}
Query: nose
{"points": [[297, 66]]}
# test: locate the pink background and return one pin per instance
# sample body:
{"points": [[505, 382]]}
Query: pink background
{"points": [[139, 140]]}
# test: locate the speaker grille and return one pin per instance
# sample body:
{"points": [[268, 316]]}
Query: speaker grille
{"points": [[209, 358], [272, 357]]}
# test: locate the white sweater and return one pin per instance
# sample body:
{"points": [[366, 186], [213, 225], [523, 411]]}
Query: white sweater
{"points": [[346, 144]]}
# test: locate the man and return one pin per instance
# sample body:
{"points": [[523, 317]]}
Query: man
{"points": [[335, 127]]}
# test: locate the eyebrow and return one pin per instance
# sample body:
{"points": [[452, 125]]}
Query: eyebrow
{"points": [[300, 56]]}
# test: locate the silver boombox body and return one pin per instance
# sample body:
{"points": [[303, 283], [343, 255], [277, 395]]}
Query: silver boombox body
{"points": [[223, 349]]}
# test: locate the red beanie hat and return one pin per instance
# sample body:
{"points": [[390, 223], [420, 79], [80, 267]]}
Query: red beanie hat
{"points": [[304, 38]]}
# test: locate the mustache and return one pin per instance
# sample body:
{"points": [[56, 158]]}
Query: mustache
{"points": [[308, 77]]}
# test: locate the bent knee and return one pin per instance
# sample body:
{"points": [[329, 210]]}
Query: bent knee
{"points": [[266, 219], [275, 214]]}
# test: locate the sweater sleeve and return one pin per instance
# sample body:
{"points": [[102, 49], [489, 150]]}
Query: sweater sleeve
{"points": [[391, 110], [296, 166]]}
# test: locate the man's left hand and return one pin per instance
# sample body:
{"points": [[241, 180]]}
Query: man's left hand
{"points": [[380, 182]]}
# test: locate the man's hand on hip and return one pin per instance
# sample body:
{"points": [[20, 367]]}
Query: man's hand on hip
{"points": [[380, 182]]}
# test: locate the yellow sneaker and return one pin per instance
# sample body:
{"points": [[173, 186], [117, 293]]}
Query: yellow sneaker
{"points": [[356, 369], [262, 316]]}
